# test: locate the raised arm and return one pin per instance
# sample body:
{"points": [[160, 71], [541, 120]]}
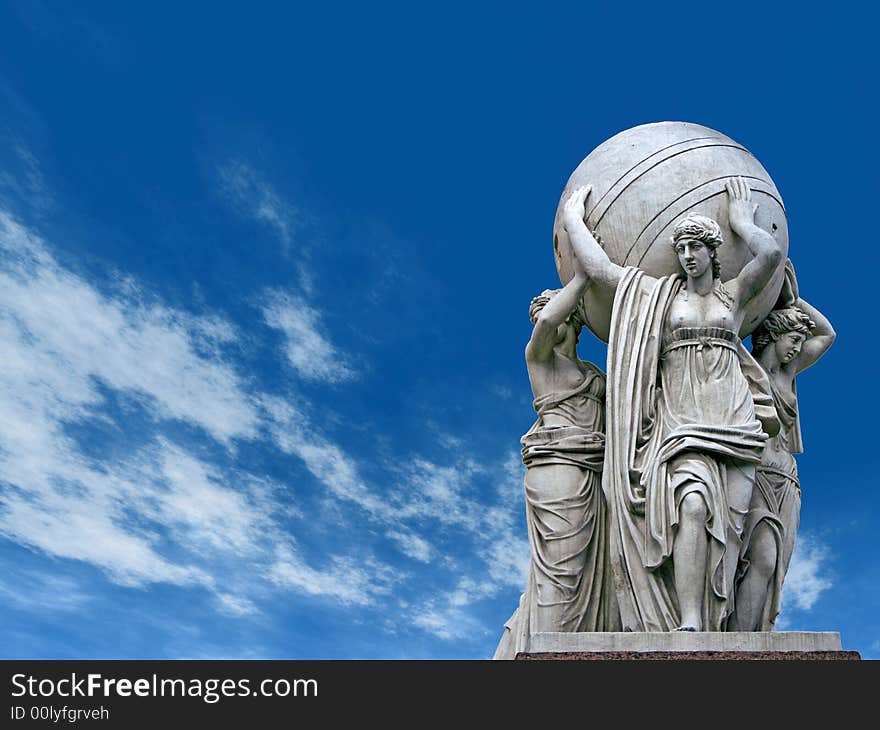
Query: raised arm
{"points": [[818, 344], [545, 335], [767, 254], [587, 251]]}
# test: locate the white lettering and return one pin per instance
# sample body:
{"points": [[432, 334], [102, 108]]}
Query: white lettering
{"points": [[313, 683]]}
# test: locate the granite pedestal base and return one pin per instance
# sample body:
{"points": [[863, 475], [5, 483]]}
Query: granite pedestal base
{"points": [[770, 645]]}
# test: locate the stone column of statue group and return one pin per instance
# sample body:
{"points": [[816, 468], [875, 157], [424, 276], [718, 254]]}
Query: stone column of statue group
{"points": [[664, 496]]}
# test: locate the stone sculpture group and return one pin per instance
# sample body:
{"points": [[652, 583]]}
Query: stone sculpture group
{"points": [[663, 495]]}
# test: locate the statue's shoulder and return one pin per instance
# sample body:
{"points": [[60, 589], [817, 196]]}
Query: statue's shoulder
{"points": [[635, 278]]}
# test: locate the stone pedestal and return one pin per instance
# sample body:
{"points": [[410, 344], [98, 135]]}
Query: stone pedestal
{"points": [[775, 645]]}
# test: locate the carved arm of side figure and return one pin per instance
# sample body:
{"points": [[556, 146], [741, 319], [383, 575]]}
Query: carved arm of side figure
{"points": [[818, 344], [587, 251], [767, 254], [545, 335]]}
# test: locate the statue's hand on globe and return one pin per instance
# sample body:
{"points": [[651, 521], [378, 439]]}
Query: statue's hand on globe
{"points": [[574, 210], [741, 209]]}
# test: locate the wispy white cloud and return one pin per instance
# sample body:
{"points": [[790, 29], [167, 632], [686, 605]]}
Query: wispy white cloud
{"points": [[445, 494], [252, 196], [412, 545], [235, 605], [61, 528], [155, 512], [21, 178], [76, 336], [451, 496], [446, 623], [328, 462], [495, 538], [808, 575], [307, 347], [451, 618], [428, 496], [40, 590], [152, 512], [508, 546], [206, 513], [343, 579]]}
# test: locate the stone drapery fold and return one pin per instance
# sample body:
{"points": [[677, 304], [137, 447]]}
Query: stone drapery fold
{"points": [[682, 409], [570, 560]]}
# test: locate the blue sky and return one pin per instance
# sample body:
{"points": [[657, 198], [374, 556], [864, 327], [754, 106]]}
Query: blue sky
{"points": [[264, 285]]}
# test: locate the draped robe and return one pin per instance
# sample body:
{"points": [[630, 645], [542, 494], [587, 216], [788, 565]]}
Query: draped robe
{"points": [[776, 500], [567, 531], [663, 442]]}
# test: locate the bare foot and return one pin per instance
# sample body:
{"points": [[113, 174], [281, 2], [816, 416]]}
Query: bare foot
{"points": [[687, 627]]}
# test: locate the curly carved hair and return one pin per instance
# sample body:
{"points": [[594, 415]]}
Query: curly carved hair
{"points": [[576, 318], [697, 227], [778, 323]]}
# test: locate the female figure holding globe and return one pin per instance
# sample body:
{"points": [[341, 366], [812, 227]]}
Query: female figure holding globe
{"points": [[568, 587], [687, 412], [789, 341]]}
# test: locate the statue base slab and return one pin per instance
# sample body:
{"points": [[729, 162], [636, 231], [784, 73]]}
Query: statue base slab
{"points": [[736, 645]]}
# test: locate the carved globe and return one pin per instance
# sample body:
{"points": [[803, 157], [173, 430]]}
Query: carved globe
{"points": [[644, 180]]}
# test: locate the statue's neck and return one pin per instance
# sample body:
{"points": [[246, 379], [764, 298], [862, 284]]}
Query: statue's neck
{"points": [[701, 285], [768, 360]]}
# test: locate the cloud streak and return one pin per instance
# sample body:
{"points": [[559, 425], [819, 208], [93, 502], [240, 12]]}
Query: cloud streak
{"points": [[350, 582], [68, 335], [253, 197], [153, 512], [96, 383], [308, 350], [808, 575]]}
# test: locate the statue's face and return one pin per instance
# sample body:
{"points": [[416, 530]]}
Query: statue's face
{"points": [[694, 256], [788, 346]]}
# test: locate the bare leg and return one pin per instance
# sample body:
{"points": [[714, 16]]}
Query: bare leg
{"points": [[753, 591], [689, 559]]}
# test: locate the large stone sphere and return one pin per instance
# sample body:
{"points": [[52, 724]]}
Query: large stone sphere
{"points": [[644, 181]]}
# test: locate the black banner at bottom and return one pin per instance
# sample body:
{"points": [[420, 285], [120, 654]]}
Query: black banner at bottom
{"points": [[170, 694]]}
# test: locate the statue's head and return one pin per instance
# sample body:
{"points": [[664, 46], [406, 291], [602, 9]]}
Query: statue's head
{"points": [[784, 329], [576, 319], [695, 239]]}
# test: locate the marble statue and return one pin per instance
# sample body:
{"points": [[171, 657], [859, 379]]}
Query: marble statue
{"points": [[663, 495], [790, 340], [568, 587], [688, 410]]}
